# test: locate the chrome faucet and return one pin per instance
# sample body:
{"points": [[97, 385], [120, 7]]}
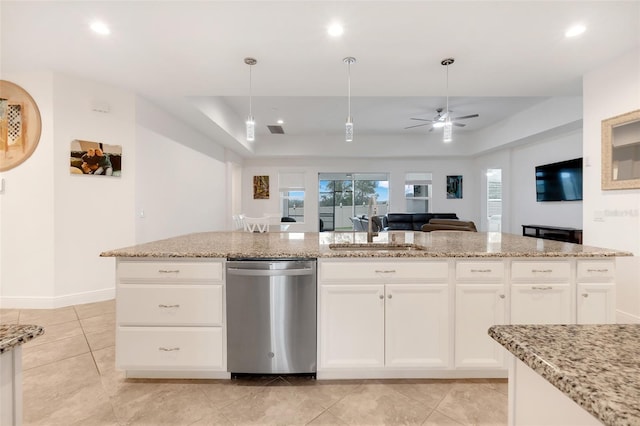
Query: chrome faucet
{"points": [[373, 210]]}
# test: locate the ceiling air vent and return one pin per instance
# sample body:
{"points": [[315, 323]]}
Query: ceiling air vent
{"points": [[276, 130]]}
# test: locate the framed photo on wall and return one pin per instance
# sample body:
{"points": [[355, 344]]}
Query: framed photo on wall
{"points": [[261, 187], [95, 158], [454, 186]]}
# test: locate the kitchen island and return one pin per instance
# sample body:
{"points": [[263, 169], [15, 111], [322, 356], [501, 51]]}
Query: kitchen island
{"points": [[12, 337], [406, 304], [572, 374]]}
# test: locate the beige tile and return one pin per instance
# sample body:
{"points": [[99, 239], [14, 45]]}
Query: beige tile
{"points": [[223, 392], [89, 310], [378, 403], [57, 332], [176, 404], [438, 419], [35, 356], [215, 419], [47, 317], [475, 404], [499, 385], [428, 392], [101, 339], [101, 416], [99, 323], [9, 316], [326, 418], [63, 392], [324, 392], [273, 405]]}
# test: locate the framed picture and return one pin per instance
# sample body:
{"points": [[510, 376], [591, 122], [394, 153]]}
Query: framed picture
{"points": [[260, 187], [454, 186], [95, 158]]}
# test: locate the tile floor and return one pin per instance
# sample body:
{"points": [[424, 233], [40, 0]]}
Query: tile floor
{"points": [[70, 379]]}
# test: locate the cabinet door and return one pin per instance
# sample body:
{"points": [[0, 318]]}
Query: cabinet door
{"points": [[596, 304], [417, 325], [351, 326], [541, 303], [478, 307]]}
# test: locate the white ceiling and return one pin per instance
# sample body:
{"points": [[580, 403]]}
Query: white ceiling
{"points": [[185, 55]]}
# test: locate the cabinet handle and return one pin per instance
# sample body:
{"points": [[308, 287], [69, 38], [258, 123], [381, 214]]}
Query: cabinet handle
{"points": [[544, 271], [163, 349], [168, 306], [546, 287], [598, 270], [502, 296], [169, 271], [381, 296], [481, 270], [585, 295], [389, 296], [385, 271]]}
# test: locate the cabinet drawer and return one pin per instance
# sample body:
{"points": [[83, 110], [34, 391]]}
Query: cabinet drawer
{"points": [[542, 271], [589, 270], [479, 270], [158, 348], [143, 304], [169, 271], [383, 271]]}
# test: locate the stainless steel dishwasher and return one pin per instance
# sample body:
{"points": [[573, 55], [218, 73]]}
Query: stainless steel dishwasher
{"points": [[271, 316]]}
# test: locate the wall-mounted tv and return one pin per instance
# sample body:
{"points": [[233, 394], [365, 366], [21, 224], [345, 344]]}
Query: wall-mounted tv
{"points": [[559, 181]]}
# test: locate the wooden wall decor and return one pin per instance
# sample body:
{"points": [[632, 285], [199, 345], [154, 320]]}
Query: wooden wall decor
{"points": [[20, 125]]}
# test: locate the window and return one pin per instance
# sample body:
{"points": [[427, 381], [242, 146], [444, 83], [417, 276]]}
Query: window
{"points": [[417, 192], [494, 199], [345, 195], [292, 195]]}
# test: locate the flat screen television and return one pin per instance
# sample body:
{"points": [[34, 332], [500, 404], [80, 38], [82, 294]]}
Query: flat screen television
{"points": [[559, 181]]}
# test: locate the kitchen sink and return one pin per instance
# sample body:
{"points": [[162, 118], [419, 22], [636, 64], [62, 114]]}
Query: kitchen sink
{"points": [[374, 246]]}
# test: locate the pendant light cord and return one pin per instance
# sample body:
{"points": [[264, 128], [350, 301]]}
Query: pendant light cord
{"points": [[250, 91], [349, 88]]}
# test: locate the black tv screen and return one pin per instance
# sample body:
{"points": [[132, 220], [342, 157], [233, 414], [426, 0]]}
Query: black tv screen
{"points": [[559, 181]]}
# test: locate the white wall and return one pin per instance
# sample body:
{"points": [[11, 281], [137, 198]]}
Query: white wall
{"points": [[466, 208], [612, 218], [178, 190]]}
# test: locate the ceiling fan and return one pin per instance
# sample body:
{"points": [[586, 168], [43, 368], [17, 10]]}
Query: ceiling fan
{"points": [[440, 118], [444, 120]]}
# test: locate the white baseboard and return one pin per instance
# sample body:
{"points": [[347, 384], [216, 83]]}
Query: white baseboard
{"points": [[35, 302], [626, 318]]}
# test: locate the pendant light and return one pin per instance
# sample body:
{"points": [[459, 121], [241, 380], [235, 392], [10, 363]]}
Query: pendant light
{"points": [[250, 123], [448, 125], [348, 128]]}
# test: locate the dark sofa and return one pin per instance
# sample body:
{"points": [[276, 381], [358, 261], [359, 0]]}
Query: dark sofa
{"points": [[413, 221]]}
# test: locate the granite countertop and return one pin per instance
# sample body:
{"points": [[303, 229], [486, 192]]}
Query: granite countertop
{"points": [[12, 335], [597, 366], [319, 245]]}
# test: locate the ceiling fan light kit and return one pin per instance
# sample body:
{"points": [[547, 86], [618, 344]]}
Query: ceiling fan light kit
{"points": [[250, 123], [348, 127]]}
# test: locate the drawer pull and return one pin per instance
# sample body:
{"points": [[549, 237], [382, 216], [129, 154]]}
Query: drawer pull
{"points": [[163, 349], [168, 306], [381, 296], [544, 271], [546, 287], [482, 270], [385, 271], [389, 296], [169, 271], [585, 295], [502, 296], [598, 270]]}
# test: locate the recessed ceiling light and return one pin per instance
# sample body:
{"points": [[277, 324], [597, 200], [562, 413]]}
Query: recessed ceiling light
{"points": [[280, 121], [335, 30], [100, 28], [575, 30]]}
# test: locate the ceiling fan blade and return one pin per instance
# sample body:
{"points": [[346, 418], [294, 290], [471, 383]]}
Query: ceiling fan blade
{"points": [[466, 116], [458, 124], [421, 119], [417, 125]]}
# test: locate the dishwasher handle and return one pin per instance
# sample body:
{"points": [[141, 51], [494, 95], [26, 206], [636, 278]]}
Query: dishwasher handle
{"points": [[269, 272]]}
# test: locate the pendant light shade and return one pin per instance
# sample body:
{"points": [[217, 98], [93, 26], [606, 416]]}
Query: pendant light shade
{"points": [[348, 128], [448, 125], [250, 123]]}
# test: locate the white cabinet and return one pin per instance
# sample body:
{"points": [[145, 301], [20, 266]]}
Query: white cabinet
{"points": [[480, 303], [381, 316], [542, 292], [595, 302], [170, 318]]}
